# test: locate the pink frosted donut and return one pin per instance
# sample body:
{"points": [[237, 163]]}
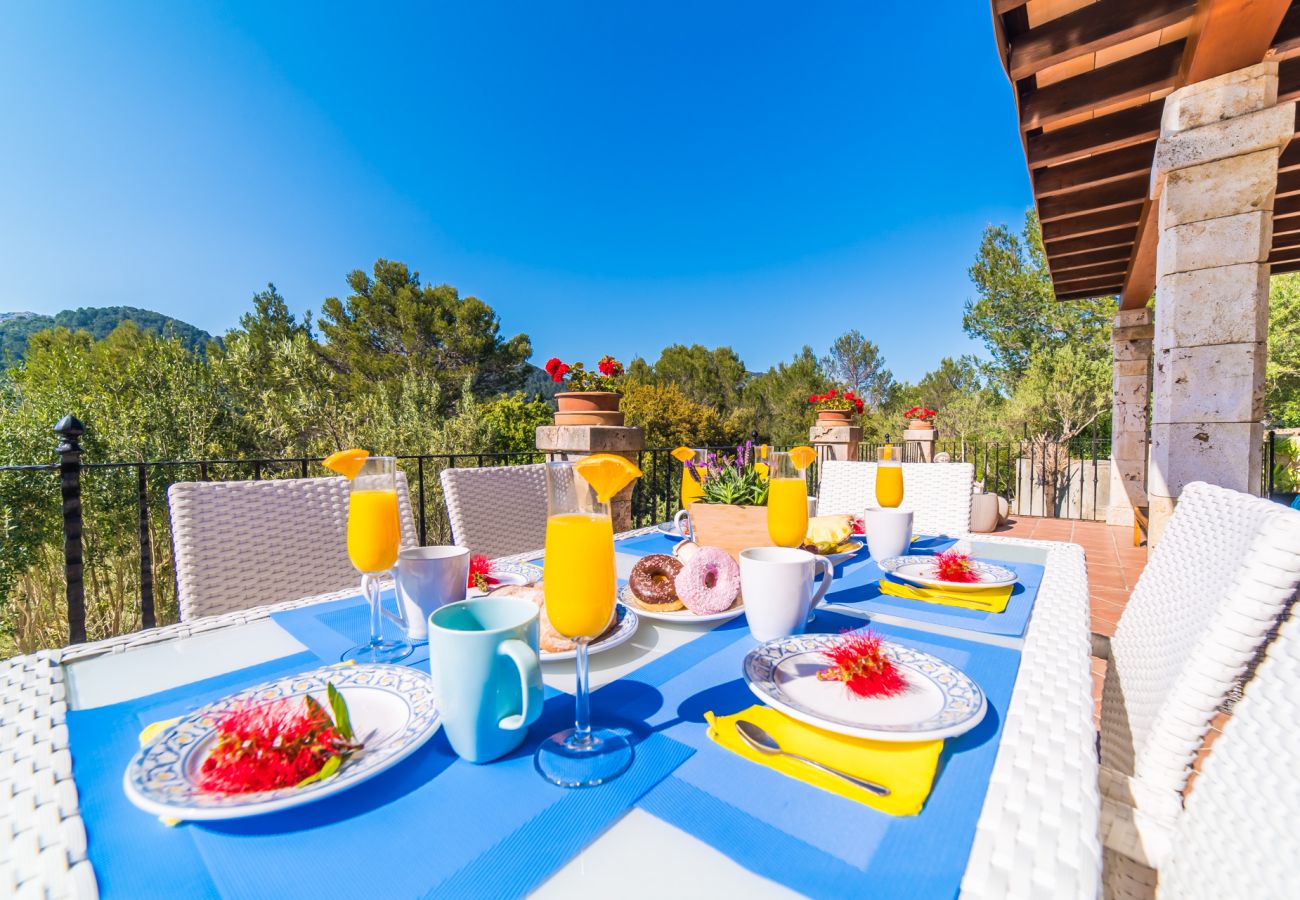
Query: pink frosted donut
{"points": [[709, 583]]}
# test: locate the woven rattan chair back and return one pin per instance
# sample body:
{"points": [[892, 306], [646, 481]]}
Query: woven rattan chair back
{"points": [[1238, 835], [1214, 586], [937, 493], [497, 510], [241, 544]]}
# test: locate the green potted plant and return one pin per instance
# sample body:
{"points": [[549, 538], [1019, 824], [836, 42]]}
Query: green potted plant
{"points": [[592, 398], [836, 407], [732, 513]]}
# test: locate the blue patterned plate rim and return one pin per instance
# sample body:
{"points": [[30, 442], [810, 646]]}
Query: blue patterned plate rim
{"points": [[962, 702], [160, 779]]}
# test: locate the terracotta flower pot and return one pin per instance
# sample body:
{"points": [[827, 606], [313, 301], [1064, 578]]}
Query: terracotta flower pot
{"points": [[588, 401], [920, 424], [834, 417], [588, 408], [732, 528]]}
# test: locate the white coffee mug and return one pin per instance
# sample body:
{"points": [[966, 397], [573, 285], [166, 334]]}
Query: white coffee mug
{"points": [[777, 584], [428, 578], [889, 532]]}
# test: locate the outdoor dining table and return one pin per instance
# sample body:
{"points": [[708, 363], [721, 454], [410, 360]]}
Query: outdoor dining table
{"points": [[1013, 812]]}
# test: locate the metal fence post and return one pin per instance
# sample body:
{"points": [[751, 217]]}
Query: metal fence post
{"points": [[147, 619], [1272, 461], [70, 430]]}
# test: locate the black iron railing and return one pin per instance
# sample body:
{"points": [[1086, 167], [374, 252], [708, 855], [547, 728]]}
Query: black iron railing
{"points": [[1067, 480]]}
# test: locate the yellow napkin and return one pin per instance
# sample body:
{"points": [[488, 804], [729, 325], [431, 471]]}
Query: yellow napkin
{"points": [[992, 600], [907, 769]]}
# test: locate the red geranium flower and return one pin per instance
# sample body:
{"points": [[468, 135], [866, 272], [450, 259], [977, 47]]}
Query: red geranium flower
{"points": [[813, 398], [830, 395], [610, 366], [552, 365], [480, 573], [858, 404]]}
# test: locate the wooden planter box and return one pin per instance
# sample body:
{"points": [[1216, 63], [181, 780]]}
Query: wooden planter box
{"points": [[732, 528]]}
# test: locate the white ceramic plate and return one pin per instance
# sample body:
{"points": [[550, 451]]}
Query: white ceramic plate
{"points": [[622, 633], [681, 616], [393, 702], [844, 555], [670, 529], [941, 701], [920, 570]]}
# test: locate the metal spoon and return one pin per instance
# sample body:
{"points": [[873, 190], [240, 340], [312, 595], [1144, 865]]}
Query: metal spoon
{"points": [[763, 742]]}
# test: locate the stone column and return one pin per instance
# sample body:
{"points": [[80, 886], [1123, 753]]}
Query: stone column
{"points": [[561, 442], [1131, 403], [1214, 176]]}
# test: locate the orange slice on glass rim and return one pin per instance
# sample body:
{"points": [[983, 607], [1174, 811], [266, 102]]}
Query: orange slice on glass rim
{"points": [[607, 474], [802, 457], [683, 455], [347, 462]]}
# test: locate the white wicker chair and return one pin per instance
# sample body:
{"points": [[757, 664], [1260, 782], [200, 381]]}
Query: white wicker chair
{"points": [[497, 510], [1238, 836], [1214, 586], [937, 493], [241, 544]]}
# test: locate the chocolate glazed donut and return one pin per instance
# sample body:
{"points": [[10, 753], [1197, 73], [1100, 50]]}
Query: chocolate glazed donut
{"points": [[652, 582]]}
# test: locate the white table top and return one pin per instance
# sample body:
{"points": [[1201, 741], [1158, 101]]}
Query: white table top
{"points": [[1010, 830]]}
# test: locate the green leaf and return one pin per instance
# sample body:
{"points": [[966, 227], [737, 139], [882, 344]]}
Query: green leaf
{"points": [[314, 708], [331, 766], [342, 721]]}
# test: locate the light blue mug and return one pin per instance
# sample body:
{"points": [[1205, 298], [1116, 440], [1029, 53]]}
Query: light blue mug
{"points": [[486, 674]]}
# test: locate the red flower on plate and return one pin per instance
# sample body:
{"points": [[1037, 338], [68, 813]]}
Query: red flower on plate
{"points": [[860, 662], [956, 567], [480, 573]]}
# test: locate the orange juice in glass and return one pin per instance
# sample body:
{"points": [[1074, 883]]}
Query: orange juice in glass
{"points": [[889, 483], [692, 484], [374, 532], [787, 502], [374, 536], [579, 573], [579, 587]]}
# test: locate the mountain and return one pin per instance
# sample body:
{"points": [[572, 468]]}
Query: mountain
{"points": [[17, 327]]}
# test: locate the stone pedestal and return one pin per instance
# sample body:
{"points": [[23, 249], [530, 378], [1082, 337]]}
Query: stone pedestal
{"points": [[835, 441], [1131, 339], [920, 444], [564, 442], [1215, 175]]}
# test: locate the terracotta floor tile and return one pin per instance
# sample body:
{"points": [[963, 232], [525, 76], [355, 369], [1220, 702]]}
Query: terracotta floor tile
{"points": [[1098, 579], [1103, 626]]}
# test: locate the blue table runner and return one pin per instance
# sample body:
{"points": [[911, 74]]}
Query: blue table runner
{"points": [[437, 824]]}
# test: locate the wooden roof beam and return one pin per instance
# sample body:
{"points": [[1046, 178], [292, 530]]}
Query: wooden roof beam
{"points": [[1094, 170], [1006, 6], [1114, 271], [1092, 223], [1090, 293], [1126, 79], [1129, 192], [1226, 35], [1099, 135], [1091, 258], [1063, 247], [1096, 27]]}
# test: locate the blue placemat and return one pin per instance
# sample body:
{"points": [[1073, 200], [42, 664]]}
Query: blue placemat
{"points": [[857, 582], [811, 841], [431, 825], [331, 629]]}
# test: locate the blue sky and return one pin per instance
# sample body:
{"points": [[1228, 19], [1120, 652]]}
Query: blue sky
{"points": [[611, 177]]}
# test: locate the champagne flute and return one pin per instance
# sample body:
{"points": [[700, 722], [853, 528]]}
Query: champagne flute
{"points": [[374, 536], [579, 586], [787, 502]]}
